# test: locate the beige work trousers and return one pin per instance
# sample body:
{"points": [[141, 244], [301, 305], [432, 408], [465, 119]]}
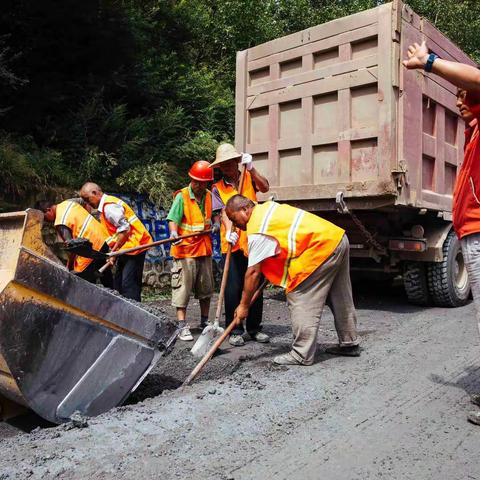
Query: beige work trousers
{"points": [[328, 283]]}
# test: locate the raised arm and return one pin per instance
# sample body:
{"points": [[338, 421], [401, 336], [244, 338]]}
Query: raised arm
{"points": [[461, 75]]}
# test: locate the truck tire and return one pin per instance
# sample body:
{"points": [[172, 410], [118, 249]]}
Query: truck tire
{"points": [[415, 283], [448, 283]]}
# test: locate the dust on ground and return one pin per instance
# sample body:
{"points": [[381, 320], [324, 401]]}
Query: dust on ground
{"points": [[398, 411]]}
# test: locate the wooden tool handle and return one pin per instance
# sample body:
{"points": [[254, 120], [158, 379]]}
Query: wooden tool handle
{"points": [[155, 244], [220, 340], [226, 267], [149, 245], [102, 269]]}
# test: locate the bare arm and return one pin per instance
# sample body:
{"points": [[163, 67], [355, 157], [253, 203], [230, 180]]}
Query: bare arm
{"points": [[260, 181], [251, 282], [226, 221], [462, 76], [66, 235], [173, 227], [122, 237]]}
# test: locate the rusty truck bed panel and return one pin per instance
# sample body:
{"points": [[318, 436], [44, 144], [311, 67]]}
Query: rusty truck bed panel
{"points": [[331, 108]]}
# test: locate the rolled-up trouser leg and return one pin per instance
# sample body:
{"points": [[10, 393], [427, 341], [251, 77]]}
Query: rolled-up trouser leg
{"points": [[340, 299], [306, 304], [471, 255]]}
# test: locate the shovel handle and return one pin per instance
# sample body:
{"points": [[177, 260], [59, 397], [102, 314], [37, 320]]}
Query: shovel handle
{"points": [[220, 340], [226, 266], [158, 242], [105, 267], [149, 245]]}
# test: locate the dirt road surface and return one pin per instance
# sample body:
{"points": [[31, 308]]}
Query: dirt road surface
{"points": [[397, 412]]}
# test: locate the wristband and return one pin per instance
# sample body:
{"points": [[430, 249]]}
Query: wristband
{"points": [[431, 58]]}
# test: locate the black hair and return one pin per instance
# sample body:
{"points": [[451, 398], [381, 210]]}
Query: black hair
{"points": [[44, 205]]}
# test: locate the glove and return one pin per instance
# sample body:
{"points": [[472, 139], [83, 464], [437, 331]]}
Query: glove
{"points": [[174, 234], [231, 237], [247, 161], [215, 228]]}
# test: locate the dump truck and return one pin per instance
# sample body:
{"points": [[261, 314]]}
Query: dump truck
{"points": [[67, 346], [341, 128]]}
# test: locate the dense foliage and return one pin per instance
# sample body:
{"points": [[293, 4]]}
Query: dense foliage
{"points": [[129, 93]]}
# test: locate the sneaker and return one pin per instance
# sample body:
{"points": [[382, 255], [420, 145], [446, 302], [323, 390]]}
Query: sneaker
{"points": [[259, 337], [475, 399], [286, 359], [474, 417], [185, 334], [353, 351], [203, 323], [236, 340]]}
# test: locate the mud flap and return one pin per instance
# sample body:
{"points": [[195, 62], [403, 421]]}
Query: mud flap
{"points": [[114, 372]]}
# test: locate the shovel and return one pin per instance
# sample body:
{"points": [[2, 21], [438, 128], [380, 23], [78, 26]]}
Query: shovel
{"points": [[211, 332], [220, 340], [83, 247]]}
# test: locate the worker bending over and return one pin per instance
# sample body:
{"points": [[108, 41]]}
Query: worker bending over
{"points": [[191, 212], [72, 221], [309, 257], [466, 194], [227, 160], [126, 231]]}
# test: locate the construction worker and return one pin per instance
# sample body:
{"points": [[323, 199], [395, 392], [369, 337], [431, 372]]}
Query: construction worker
{"points": [[309, 257], [466, 203], [126, 231], [227, 160], [72, 221], [191, 212]]}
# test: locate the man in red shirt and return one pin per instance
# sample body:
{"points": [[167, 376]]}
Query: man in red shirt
{"points": [[466, 196]]}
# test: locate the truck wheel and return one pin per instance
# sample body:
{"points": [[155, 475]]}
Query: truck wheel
{"points": [[448, 282], [415, 283]]}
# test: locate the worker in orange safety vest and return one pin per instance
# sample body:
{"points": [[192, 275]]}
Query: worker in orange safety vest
{"points": [[72, 221], [192, 272], [309, 257], [228, 160], [126, 231]]}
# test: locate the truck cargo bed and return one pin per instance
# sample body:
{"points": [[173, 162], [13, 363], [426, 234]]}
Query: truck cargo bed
{"points": [[332, 109]]}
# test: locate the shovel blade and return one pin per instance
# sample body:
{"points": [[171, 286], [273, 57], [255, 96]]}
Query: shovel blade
{"points": [[206, 339]]}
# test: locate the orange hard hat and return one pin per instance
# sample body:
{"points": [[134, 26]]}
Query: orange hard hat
{"points": [[201, 171]]}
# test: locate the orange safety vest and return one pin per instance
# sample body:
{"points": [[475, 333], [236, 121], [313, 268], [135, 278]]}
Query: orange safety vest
{"points": [[138, 234], [305, 241], [82, 225], [227, 191], [194, 221]]}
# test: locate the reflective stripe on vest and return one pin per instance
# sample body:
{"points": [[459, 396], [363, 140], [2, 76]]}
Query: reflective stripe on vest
{"points": [[138, 234], [194, 221], [82, 225], [227, 191], [305, 242]]}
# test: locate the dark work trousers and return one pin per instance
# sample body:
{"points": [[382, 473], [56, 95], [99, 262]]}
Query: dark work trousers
{"points": [[90, 274], [233, 295], [128, 275]]}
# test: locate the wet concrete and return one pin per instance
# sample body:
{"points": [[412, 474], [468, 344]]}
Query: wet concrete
{"points": [[398, 411]]}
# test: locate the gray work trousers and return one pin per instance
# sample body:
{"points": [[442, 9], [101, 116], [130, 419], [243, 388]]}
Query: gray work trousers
{"points": [[328, 283], [471, 255]]}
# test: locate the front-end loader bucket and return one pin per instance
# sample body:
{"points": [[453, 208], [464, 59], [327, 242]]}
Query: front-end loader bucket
{"points": [[67, 345]]}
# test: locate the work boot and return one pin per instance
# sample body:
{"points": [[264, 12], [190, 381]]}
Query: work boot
{"points": [[236, 340], [286, 359], [353, 351], [259, 337], [475, 399], [474, 417], [185, 334]]}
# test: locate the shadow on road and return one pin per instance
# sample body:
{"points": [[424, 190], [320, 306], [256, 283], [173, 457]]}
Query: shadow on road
{"points": [[469, 381]]}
